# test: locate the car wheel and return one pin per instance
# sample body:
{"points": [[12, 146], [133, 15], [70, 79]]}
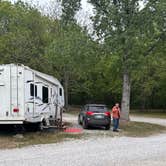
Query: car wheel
{"points": [[85, 124], [107, 127]]}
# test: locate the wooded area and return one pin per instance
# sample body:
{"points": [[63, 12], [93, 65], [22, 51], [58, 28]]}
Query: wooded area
{"points": [[126, 60]]}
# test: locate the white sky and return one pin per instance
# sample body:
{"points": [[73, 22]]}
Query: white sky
{"points": [[85, 5], [83, 16]]}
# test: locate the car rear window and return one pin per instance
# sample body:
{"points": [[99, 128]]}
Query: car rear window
{"points": [[97, 108]]}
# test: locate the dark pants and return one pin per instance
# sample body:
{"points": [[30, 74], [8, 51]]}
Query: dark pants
{"points": [[115, 123]]}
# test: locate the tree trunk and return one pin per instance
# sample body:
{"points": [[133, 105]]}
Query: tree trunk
{"points": [[66, 83], [125, 105]]}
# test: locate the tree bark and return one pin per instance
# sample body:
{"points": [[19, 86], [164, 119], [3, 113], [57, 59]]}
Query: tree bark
{"points": [[125, 104]]}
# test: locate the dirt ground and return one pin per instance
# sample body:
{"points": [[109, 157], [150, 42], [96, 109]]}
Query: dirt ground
{"points": [[98, 149]]}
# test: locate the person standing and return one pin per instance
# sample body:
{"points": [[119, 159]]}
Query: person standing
{"points": [[116, 117]]}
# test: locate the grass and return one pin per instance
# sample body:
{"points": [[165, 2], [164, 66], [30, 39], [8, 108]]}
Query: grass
{"points": [[47, 138], [131, 129], [141, 129], [161, 115], [34, 138]]}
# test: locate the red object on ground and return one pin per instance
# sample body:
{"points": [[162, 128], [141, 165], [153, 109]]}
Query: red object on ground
{"points": [[73, 130]]}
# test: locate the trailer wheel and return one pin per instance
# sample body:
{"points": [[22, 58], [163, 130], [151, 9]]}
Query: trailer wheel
{"points": [[41, 126]]}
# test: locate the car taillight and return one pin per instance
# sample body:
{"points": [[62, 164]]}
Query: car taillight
{"points": [[89, 113], [16, 110], [107, 113]]}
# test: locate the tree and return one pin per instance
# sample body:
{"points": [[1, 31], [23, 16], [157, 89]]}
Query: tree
{"points": [[65, 43], [70, 55], [23, 34], [69, 9], [131, 33], [92, 71], [149, 81]]}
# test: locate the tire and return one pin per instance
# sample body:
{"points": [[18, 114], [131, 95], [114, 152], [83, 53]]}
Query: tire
{"points": [[34, 127], [85, 124], [41, 126], [107, 127]]}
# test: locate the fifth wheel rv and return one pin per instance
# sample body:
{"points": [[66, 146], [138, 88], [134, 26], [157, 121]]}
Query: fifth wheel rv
{"points": [[29, 97]]}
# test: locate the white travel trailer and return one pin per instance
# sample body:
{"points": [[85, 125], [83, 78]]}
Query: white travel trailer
{"points": [[28, 96]]}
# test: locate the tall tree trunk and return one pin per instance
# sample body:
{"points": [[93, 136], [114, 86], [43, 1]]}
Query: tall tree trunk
{"points": [[125, 105], [66, 84]]}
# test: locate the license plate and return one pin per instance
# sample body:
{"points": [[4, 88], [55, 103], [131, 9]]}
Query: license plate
{"points": [[99, 116]]}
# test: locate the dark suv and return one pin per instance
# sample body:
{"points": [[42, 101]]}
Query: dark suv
{"points": [[96, 115]]}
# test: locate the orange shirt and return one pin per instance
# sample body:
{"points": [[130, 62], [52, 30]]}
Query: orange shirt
{"points": [[115, 112]]}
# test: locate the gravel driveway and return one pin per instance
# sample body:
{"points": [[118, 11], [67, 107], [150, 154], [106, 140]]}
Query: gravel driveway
{"points": [[94, 151]]}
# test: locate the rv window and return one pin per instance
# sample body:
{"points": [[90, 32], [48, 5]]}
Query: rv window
{"points": [[32, 90], [45, 94], [60, 91]]}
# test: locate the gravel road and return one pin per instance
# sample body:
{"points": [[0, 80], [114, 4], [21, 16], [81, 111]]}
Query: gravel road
{"points": [[94, 151]]}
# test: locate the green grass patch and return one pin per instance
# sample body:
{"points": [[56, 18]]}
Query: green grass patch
{"points": [[35, 138], [150, 114], [141, 129], [46, 138]]}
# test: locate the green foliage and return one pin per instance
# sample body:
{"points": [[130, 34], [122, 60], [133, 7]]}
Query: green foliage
{"points": [[22, 32], [149, 82], [136, 36], [130, 32], [72, 55], [92, 71], [70, 7]]}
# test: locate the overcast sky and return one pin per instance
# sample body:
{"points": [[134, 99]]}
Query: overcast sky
{"points": [[43, 3], [46, 6], [83, 16]]}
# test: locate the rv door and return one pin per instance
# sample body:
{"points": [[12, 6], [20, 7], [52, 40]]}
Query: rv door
{"points": [[16, 90]]}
